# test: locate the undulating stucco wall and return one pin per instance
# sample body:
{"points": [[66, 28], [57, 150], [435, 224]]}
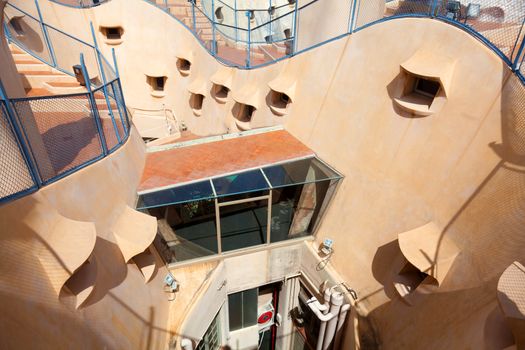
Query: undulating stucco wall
{"points": [[461, 168], [122, 312]]}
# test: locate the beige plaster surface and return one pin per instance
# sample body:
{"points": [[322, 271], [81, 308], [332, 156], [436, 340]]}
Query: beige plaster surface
{"points": [[461, 167], [46, 236]]}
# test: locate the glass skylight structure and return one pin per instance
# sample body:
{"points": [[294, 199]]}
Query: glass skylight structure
{"points": [[241, 210]]}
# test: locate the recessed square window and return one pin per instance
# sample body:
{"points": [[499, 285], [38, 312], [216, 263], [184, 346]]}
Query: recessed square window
{"points": [[158, 85], [113, 35], [279, 102], [426, 87], [243, 114], [220, 92], [196, 101], [183, 66]]}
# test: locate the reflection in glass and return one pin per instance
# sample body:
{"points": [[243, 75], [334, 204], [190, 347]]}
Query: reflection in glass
{"points": [[243, 225], [298, 172], [295, 210], [180, 194], [249, 181], [188, 230]]}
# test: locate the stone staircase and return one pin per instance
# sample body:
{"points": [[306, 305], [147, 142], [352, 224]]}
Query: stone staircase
{"points": [[40, 79], [226, 49]]}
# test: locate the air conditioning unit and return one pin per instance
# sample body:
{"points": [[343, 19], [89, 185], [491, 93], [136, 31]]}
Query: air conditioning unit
{"points": [[265, 312]]}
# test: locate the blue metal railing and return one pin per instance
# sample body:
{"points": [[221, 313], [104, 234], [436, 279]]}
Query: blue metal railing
{"points": [[46, 138], [501, 29], [80, 3], [499, 26]]}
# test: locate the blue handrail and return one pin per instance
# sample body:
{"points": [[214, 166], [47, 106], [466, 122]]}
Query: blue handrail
{"points": [[38, 125]]}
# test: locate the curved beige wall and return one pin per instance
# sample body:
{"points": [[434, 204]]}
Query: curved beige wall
{"points": [[121, 312], [461, 168]]}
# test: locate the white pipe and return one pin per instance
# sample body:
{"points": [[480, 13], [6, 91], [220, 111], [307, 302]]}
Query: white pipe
{"points": [[340, 323], [186, 344], [336, 301], [324, 317]]}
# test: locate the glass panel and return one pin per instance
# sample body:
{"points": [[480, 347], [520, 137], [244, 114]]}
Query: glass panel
{"points": [[242, 309], [301, 171], [236, 197], [243, 225], [249, 307], [187, 231], [295, 210], [235, 311], [198, 190], [249, 181]]}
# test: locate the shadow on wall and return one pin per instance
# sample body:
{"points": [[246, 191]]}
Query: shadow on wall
{"points": [[497, 334], [29, 37], [488, 228]]}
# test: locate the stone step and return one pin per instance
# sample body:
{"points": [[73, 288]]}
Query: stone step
{"points": [[27, 66], [62, 88]]}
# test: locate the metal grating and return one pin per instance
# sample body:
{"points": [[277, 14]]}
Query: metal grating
{"points": [[15, 176], [61, 132]]}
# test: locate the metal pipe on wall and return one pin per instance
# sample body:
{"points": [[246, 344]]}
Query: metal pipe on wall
{"points": [[336, 301], [340, 323]]}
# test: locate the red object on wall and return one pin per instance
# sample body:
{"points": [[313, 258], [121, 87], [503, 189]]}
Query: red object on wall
{"points": [[265, 317]]}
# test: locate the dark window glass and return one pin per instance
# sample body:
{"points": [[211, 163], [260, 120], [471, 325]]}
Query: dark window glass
{"points": [[187, 230], [235, 311], [242, 309], [427, 87], [113, 33], [197, 190], [249, 181], [243, 225], [295, 210], [159, 83], [298, 172]]}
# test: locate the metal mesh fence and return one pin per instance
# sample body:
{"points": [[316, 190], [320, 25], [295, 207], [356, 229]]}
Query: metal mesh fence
{"points": [[68, 54], [61, 132], [15, 177], [107, 68], [107, 117], [122, 121], [79, 3], [499, 21], [26, 31], [521, 67], [367, 11]]}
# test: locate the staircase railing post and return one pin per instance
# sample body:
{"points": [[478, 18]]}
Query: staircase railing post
{"points": [[104, 82], [521, 50], [248, 15], [193, 15], [117, 72], [353, 13], [296, 10], [270, 22], [433, 8], [94, 107], [7, 33], [236, 24], [46, 35], [213, 39]]}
